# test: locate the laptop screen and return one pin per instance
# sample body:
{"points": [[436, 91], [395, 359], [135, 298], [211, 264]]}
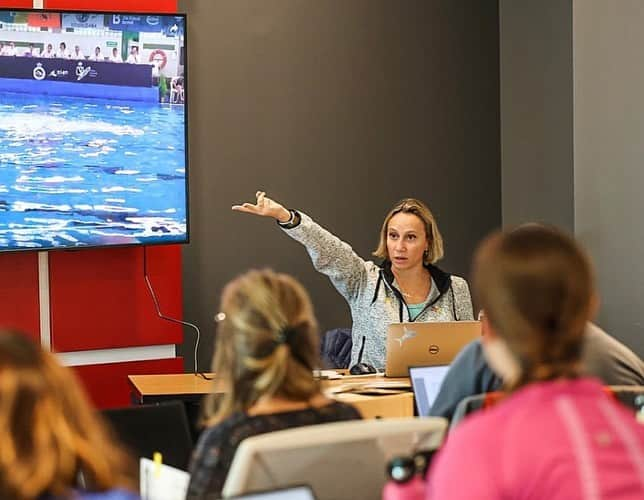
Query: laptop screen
{"points": [[426, 382], [293, 493]]}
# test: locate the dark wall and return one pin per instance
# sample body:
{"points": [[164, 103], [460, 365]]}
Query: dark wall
{"points": [[340, 109], [537, 111]]}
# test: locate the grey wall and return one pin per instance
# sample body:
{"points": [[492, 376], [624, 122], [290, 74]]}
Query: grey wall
{"points": [[571, 126], [609, 125], [537, 111], [339, 108]]}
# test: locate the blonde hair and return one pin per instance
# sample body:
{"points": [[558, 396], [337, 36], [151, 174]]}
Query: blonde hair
{"points": [[267, 345], [419, 209], [49, 433], [536, 286]]}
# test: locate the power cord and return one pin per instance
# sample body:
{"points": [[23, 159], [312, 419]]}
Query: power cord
{"points": [[168, 318]]}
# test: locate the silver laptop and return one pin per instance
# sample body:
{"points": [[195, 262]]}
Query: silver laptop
{"points": [[426, 382], [426, 344]]}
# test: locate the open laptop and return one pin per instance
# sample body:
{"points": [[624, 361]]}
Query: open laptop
{"points": [[289, 493], [426, 344], [426, 382]]}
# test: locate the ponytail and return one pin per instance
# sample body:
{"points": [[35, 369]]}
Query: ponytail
{"points": [[267, 345]]}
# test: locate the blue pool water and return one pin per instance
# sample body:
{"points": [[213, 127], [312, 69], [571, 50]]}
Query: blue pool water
{"points": [[77, 172]]}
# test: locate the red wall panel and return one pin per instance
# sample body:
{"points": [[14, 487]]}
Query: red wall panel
{"points": [[99, 298], [18, 4], [107, 385], [19, 306], [125, 5]]}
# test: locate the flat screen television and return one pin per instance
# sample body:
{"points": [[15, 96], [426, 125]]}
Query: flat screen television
{"points": [[93, 129]]}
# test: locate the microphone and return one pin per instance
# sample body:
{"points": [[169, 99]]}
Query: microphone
{"points": [[361, 368], [361, 349]]}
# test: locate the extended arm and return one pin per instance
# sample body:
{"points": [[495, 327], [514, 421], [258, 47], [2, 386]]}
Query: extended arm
{"points": [[329, 254]]}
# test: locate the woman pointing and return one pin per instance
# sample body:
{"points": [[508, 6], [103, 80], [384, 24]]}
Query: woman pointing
{"points": [[406, 286]]}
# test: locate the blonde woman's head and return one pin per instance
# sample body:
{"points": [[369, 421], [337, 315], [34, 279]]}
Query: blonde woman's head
{"points": [[267, 342], [432, 241]]}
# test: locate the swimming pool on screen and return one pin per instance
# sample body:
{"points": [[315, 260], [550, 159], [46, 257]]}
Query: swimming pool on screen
{"points": [[84, 172]]}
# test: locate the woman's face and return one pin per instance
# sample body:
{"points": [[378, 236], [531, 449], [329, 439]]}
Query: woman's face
{"points": [[406, 241]]}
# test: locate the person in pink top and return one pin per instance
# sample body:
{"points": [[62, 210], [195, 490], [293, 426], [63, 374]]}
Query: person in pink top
{"points": [[557, 435]]}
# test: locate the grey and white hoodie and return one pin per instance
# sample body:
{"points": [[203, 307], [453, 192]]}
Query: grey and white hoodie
{"points": [[371, 291]]}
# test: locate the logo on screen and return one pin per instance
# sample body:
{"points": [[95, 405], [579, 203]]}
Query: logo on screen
{"points": [[153, 20], [82, 71], [433, 349], [55, 73], [39, 72]]}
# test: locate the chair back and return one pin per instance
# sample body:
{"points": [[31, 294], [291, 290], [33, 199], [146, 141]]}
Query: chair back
{"points": [[471, 404], [630, 395], [146, 429], [336, 347], [338, 460]]}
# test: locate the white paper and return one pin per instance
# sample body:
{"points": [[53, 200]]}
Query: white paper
{"points": [[327, 374], [162, 482]]}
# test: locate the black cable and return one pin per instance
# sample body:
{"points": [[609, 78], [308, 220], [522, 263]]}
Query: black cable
{"points": [[168, 318]]}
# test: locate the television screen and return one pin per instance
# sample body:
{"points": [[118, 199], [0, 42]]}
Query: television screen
{"points": [[93, 147]]}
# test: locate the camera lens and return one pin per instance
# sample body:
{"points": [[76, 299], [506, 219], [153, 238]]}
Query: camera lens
{"points": [[401, 469]]}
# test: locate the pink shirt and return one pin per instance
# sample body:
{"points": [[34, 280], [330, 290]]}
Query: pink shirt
{"points": [[558, 440]]}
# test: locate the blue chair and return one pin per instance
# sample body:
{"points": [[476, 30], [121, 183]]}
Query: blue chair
{"points": [[336, 347]]}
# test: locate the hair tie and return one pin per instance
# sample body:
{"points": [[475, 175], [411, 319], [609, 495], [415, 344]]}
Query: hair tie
{"points": [[286, 334]]}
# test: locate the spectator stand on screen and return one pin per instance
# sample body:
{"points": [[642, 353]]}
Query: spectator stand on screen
{"points": [[97, 55], [10, 49], [176, 90], [63, 53], [30, 51], [49, 52], [116, 57], [134, 57]]}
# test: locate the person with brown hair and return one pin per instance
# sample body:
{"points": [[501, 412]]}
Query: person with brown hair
{"points": [[407, 286], [266, 350], [52, 443], [557, 435]]}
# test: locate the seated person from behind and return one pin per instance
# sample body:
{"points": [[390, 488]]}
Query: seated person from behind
{"points": [[557, 435], [54, 445], [469, 374], [266, 350]]}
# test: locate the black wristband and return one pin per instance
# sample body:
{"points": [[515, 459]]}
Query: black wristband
{"points": [[294, 221]]}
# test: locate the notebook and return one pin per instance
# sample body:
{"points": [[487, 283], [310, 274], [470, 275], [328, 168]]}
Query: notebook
{"points": [[426, 382], [426, 344]]}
